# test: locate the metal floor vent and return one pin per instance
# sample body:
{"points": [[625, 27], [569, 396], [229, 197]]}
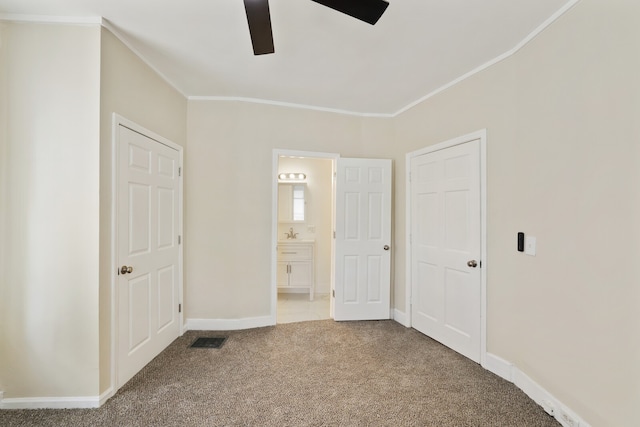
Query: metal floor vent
{"points": [[209, 342]]}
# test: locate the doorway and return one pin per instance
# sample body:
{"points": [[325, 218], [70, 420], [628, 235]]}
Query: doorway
{"points": [[446, 243], [303, 235]]}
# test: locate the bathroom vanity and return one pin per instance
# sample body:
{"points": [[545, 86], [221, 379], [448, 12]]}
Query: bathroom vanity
{"points": [[296, 265]]}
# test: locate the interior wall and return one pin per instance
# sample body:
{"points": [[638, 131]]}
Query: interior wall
{"points": [[318, 205], [563, 166], [133, 90], [228, 182], [50, 210]]}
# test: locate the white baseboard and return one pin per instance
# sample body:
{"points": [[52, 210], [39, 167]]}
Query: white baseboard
{"points": [[504, 369], [499, 366], [108, 393], [84, 402], [228, 324], [400, 317]]}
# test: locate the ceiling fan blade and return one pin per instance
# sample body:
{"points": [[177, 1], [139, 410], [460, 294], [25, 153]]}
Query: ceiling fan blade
{"points": [[259, 21], [368, 11]]}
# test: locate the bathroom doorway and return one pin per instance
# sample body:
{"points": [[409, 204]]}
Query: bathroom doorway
{"points": [[303, 227]]}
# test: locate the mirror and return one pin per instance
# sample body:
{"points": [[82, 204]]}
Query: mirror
{"points": [[291, 202]]}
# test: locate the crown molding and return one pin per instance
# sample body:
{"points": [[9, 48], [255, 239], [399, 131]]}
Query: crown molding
{"points": [[286, 104], [47, 19]]}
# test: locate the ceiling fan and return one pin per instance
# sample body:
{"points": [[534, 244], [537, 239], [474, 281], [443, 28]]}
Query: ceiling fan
{"points": [[259, 18]]}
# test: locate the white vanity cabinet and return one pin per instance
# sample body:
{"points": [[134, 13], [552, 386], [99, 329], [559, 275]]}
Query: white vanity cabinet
{"points": [[296, 266]]}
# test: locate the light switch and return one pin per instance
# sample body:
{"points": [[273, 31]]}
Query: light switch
{"points": [[530, 245]]}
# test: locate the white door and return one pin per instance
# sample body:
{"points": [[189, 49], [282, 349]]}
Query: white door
{"points": [[148, 226], [363, 239], [445, 246]]}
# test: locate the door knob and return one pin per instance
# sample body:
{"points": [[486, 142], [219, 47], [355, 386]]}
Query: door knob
{"points": [[473, 263], [385, 247], [125, 269]]}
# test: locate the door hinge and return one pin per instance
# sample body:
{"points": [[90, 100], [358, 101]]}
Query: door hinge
{"points": [[480, 264], [179, 171], [334, 234], [333, 293], [179, 308], [179, 239]]}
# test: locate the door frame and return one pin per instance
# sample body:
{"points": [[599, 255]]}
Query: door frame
{"points": [[276, 154], [118, 120], [478, 135]]}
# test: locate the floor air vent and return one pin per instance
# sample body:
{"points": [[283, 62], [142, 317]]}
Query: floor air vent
{"points": [[209, 342]]}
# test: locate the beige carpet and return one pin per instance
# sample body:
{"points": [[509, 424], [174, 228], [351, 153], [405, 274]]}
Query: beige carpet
{"points": [[318, 373]]}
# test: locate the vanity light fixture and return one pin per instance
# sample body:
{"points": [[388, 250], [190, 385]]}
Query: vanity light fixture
{"points": [[292, 177]]}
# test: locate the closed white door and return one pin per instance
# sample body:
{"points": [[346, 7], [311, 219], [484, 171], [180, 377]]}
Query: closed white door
{"points": [[363, 239], [445, 245], [148, 252]]}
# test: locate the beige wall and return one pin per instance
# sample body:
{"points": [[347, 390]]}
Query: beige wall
{"points": [[50, 208], [131, 89], [563, 165], [228, 180]]}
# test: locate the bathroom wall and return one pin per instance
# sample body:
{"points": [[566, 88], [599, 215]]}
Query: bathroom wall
{"points": [[319, 202]]}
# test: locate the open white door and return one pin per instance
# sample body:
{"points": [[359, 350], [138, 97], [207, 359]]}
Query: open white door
{"points": [[148, 250], [363, 239]]}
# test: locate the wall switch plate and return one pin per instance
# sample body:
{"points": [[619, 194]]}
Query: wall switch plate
{"points": [[530, 245]]}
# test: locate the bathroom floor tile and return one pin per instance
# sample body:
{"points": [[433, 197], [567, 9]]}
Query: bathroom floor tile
{"points": [[297, 307]]}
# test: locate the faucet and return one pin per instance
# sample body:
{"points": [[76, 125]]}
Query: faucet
{"points": [[291, 234]]}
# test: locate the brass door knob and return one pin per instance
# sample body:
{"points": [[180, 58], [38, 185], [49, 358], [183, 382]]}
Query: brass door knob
{"points": [[124, 269], [473, 263]]}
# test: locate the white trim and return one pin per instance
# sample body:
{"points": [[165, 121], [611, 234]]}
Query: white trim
{"points": [[407, 239], [288, 105], [399, 316], [227, 324], [276, 153], [538, 394], [478, 135], [47, 19], [83, 402], [106, 395], [484, 257], [118, 120], [498, 366]]}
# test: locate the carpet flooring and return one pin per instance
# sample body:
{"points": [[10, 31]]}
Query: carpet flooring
{"points": [[319, 373]]}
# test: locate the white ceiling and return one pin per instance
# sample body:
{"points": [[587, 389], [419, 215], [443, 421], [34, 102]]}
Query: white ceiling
{"points": [[323, 58]]}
